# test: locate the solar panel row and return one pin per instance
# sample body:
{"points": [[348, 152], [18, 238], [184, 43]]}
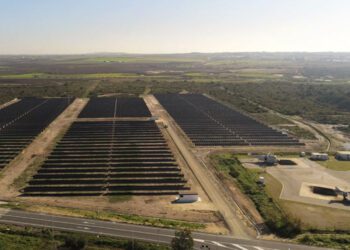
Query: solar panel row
{"points": [[21, 122], [115, 107], [209, 123], [109, 158]]}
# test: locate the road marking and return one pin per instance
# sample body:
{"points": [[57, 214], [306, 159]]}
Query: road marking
{"points": [[87, 222], [218, 244], [239, 246], [80, 224], [199, 240], [259, 248], [83, 231]]}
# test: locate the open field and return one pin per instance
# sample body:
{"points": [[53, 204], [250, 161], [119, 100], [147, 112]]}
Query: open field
{"points": [[335, 164]]}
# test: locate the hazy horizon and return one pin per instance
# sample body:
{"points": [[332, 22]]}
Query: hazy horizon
{"points": [[38, 27]]}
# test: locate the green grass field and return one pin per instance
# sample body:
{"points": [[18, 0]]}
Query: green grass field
{"points": [[334, 164]]}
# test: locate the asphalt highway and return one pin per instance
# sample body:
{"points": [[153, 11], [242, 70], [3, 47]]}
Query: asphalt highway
{"points": [[137, 232]]}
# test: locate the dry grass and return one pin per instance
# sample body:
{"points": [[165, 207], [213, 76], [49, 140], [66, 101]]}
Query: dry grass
{"points": [[334, 164]]}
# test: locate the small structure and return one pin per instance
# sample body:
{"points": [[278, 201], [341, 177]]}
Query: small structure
{"points": [[343, 155], [302, 154], [269, 159], [319, 157], [187, 198], [261, 180]]}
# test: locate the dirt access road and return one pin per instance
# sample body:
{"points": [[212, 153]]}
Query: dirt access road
{"points": [[227, 210]]}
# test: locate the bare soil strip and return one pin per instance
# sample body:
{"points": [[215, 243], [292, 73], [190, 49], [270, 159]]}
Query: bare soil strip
{"points": [[9, 103]]}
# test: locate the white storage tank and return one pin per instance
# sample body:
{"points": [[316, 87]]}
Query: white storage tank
{"points": [[187, 198], [343, 155]]}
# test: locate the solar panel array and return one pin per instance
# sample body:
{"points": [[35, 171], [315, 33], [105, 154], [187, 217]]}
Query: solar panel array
{"points": [[209, 123], [115, 107], [22, 121], [109, 158]]}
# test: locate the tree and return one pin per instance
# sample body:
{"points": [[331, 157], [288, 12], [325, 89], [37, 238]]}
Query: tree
{"points": [[183, 240]]}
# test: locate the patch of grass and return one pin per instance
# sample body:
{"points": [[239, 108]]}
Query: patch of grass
{"points": [[23, 76], [339, 241], [274, 217], [271, 118], [317, 218], [195, 74], [108, 216], [334, 164]]}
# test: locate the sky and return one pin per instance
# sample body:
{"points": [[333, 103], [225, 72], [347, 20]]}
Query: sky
{"points": [[173, 26]]}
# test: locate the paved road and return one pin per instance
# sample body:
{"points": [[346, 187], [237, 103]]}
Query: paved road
{"points": [[227, 209], [149, 234]]}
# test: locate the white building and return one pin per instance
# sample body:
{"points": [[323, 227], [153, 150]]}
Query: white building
{"points": [[343, 155], [319, 156]]}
